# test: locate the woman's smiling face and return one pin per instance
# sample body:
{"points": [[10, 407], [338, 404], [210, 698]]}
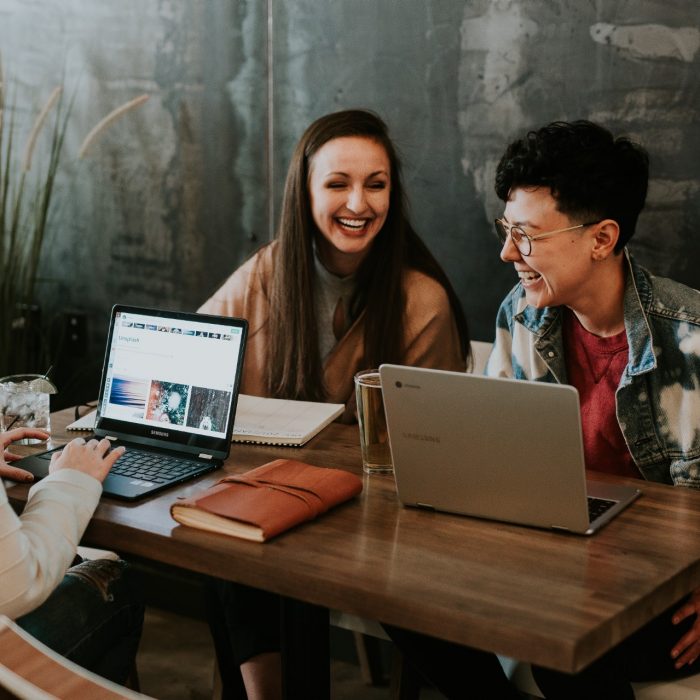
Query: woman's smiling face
{"points": [[349, 188]]}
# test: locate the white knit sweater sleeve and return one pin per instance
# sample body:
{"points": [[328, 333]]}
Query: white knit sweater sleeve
{"points": [[37, 547]]}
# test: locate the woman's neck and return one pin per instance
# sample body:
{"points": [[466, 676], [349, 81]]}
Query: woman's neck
{"points": [[338, 263]]}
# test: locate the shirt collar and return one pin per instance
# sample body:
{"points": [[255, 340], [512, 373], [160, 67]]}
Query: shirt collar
{"points": [[542, 322], [343, 285]]}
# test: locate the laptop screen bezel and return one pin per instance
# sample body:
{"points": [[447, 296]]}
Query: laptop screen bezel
{"points": [[180, 440]]}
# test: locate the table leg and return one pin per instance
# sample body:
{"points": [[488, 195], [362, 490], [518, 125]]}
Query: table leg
{"points": [[305, 647]]}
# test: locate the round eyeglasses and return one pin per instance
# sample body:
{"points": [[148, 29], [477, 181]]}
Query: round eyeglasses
{"points": [[522, 240]]}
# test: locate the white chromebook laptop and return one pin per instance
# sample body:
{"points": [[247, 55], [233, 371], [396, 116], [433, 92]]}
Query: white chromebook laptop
{"points": [[502, 449]]}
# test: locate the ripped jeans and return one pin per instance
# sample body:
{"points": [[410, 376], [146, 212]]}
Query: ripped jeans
{"points": [[94, 618]]}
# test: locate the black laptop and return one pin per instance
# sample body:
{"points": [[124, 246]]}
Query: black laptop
{"points": [[169, 390]]}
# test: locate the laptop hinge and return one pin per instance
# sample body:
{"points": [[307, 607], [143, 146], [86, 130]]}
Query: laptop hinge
{"points": [[202, 455]]}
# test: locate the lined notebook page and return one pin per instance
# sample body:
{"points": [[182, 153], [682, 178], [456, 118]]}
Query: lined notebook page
{"points": [[281, 421]]}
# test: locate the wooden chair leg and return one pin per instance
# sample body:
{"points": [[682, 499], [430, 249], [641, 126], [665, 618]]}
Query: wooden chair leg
{"points": [[369, 657], [405, 682]]}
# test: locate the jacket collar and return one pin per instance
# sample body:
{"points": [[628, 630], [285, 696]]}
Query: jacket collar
{"points": [[637, 299]]}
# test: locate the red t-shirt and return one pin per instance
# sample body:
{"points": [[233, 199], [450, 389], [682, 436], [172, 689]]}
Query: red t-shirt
{"points": [[595, 366]]}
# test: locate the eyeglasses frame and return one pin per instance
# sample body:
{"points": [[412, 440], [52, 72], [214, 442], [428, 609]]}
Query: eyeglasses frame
{"points": [[500, 224]]}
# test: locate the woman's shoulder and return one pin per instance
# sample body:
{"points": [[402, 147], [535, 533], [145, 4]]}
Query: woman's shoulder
{"points": [[430, 326], [419, 286], [251, 278], [259, 262], [425, 300], [256, 269]]}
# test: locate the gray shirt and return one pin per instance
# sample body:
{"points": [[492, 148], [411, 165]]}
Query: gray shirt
{"points": [[328, 291]]}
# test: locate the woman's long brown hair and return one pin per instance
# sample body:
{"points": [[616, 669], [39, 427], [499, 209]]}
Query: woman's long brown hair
{"points": [[294, 365]]}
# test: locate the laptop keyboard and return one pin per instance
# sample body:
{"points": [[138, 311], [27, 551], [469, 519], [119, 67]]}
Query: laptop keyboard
{"points": [[598, 506], [150, 466]]}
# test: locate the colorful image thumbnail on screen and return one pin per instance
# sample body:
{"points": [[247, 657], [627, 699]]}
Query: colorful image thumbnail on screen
{"points": [[129, 392], [167, 402], [208, 409]]}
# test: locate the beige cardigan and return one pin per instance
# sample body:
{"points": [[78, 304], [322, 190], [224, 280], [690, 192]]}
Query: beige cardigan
{"points": [[37, 547], [431, 337]]}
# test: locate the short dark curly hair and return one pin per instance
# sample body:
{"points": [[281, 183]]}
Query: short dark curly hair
{"points": [[591, 174]]}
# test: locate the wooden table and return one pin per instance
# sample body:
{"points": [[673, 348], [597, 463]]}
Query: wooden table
{"points": [[548, 598]]}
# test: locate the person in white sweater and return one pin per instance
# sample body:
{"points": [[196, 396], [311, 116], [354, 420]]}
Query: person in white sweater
{"points": [[88, 611]]}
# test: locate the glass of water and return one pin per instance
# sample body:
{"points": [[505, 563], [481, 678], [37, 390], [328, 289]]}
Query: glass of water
{"points": [[24, 403]]}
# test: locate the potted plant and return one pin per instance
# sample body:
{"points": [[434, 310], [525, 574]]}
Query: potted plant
{"points": [[26, 190], [25, 199]]}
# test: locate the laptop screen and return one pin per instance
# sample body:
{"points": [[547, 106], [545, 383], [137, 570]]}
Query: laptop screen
{"points": [[171, 376]]}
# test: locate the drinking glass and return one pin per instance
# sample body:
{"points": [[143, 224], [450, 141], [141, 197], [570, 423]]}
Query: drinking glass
{"points": [[374, 438], [24, 403]]}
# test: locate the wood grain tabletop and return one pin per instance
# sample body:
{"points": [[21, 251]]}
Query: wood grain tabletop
{"points": [[554, 599]]}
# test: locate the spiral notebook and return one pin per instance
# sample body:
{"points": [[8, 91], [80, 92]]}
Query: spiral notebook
{"points": [[266, 421]]}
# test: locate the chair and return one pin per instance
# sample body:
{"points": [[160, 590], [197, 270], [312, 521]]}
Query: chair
{"points": [[30, 670], [480, 355], [364, 633], [404, 683], [91, 553]]}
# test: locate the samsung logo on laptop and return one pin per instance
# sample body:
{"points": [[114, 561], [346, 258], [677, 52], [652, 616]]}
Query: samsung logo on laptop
{"points": [[421, 436], [160, 433]]}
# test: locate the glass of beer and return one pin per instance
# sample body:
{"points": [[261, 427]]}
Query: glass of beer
{"points": [[374, 439]]}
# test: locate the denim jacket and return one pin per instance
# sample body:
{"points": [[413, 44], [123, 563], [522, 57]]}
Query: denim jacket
{"points": [[658, 398]]}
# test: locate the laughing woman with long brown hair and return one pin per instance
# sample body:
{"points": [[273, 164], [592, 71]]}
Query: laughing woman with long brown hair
{"points": [[346, 285]]}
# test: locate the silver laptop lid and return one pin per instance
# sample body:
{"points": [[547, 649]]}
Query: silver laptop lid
{"points": [[494, 448]]}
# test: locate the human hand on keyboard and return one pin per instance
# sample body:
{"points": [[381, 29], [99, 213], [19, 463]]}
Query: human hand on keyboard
{"points": [[93, 457]]}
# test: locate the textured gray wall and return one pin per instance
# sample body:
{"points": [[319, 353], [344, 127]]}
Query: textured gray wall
{"points": [[176, 194], [150, 214], [457, 80]]}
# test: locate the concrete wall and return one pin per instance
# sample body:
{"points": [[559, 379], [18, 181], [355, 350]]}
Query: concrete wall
{"points": [[176, 194]]}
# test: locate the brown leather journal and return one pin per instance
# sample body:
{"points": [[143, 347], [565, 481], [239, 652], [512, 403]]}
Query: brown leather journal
{"points": [[268, 500]]}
